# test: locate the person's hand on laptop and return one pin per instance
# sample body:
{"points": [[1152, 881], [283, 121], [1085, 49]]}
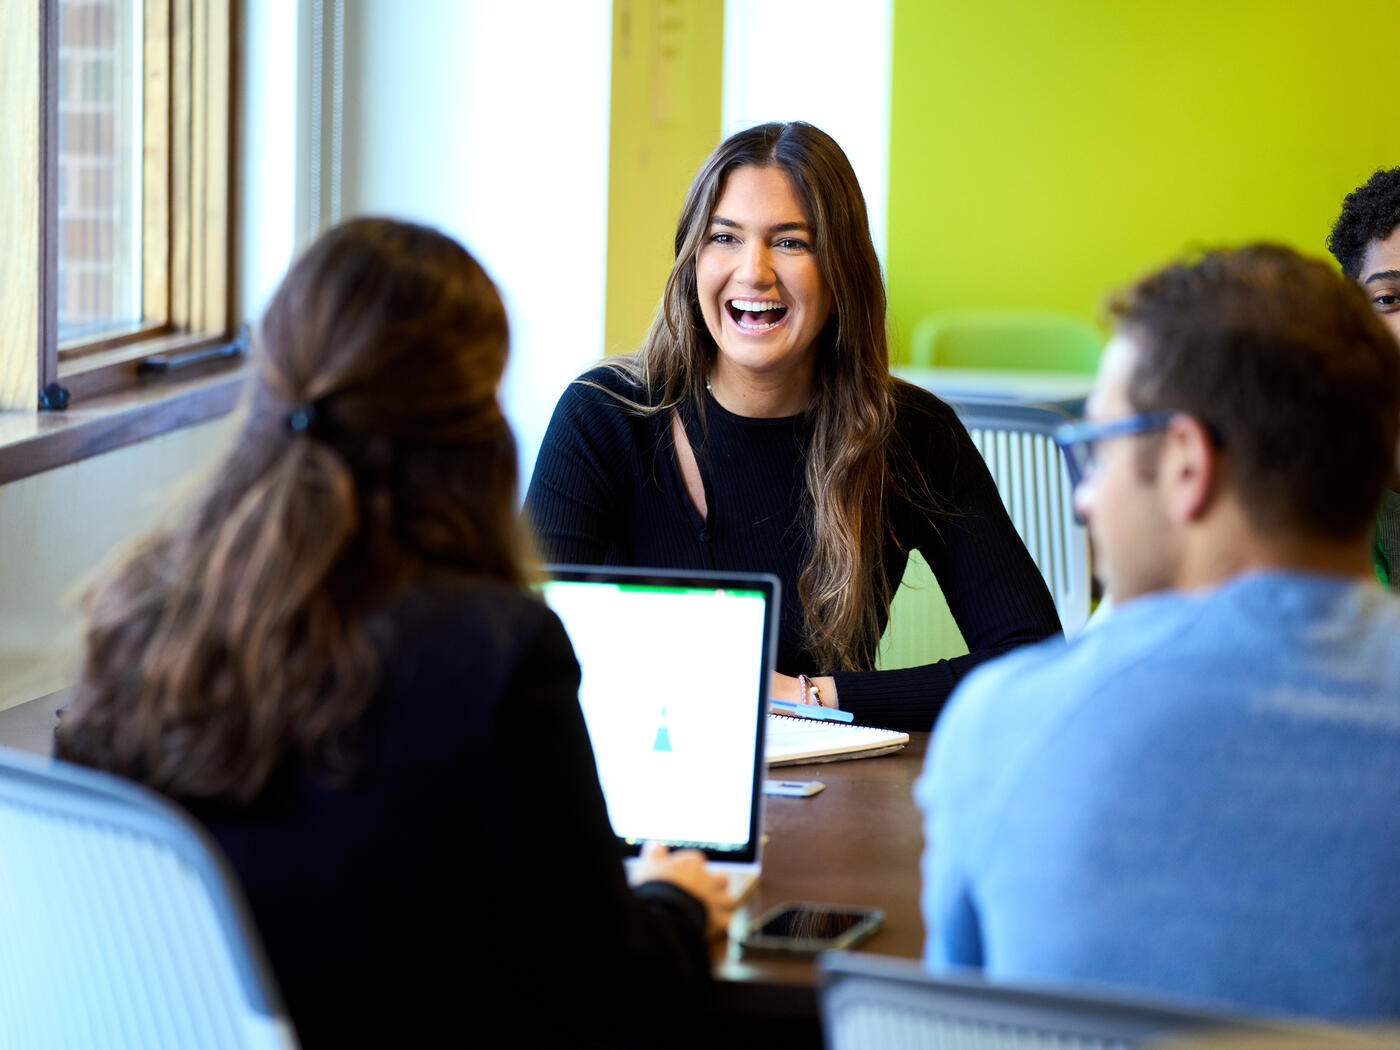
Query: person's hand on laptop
{"points": [[686, 868]]}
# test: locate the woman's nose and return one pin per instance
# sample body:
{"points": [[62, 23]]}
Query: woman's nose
{"points": [[756, 266]]}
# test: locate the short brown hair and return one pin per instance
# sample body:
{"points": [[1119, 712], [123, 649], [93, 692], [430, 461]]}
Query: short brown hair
{"points": [[1288, 365]]}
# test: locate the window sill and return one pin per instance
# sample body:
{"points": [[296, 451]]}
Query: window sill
{"points": [[33, 442]]}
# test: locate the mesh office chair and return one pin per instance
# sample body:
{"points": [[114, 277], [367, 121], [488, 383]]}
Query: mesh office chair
{"points": [[1028, 467], [1014, 439], [875, 1002], [120, 925]]}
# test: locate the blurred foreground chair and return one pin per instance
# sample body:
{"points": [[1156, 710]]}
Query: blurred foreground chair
{"points": [[1026, 341], [875, 1002], [120, 924]]}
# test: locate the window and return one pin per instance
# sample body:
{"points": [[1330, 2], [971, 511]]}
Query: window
{"points": [[100, 151], [119, 113]]}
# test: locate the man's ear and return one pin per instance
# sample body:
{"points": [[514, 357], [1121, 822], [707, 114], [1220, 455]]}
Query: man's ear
{"points": [[1189, 469]]}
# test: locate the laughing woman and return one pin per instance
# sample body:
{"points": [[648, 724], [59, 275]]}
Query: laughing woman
{"points": [[758, 429]]}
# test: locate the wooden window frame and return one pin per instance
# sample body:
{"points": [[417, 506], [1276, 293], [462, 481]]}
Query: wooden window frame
{"points": [[187, 221]]}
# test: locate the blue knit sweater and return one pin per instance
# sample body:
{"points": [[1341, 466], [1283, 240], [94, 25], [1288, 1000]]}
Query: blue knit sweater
{"points": [[1199, 799]]}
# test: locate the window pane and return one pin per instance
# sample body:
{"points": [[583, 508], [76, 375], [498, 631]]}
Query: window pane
{"points": [[99, 167]]}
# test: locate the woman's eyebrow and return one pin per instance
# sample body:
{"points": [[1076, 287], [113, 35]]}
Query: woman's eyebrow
{"points": [[781, 227], [1383, 275]]}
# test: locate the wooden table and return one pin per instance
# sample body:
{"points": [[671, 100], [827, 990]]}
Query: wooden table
{"points": [[858, 842]]}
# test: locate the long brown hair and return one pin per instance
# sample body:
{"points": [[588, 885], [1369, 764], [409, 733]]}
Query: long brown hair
{"points": [[374, 450], [844, 586]]}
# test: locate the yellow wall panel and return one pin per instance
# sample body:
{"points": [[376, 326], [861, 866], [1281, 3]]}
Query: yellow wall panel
{"points": [[1044, 153], [665, 120]]}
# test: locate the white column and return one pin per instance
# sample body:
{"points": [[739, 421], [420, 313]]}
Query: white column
{"points": [[823, 61]]}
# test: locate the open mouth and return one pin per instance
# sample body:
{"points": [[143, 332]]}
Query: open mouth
{"points": [[756, 315]]}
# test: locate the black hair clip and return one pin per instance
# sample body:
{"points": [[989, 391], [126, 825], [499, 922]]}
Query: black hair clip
{"points": [[303, 418]]}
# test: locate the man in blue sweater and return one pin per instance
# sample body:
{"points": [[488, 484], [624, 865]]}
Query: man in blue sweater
{"points": [[1200, 799]]}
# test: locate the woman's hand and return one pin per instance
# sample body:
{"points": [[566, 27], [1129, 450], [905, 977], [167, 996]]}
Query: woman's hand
{"points": [[786, 687], [686, 868]]}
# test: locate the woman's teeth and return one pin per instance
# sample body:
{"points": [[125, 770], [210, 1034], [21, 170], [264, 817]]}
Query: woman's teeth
{"points": [[756, 315]]}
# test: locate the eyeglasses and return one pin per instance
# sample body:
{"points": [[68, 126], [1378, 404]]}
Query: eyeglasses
{"points": [[1078, 440]]}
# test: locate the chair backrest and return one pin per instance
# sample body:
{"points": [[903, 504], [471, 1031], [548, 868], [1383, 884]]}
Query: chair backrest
{"points": [[1025, 340], [120, 924], [874, 1002], [1029, 470]]}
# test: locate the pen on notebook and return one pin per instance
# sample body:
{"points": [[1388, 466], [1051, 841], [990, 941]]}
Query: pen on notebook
{"points": [[828, 714]]}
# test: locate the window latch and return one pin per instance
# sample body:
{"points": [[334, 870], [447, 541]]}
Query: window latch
{"points": [[163, 364]]}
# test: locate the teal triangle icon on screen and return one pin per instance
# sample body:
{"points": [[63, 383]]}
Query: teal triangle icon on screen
{"points": [[663, 740]]}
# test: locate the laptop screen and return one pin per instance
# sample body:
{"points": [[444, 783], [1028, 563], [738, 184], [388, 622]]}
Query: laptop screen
{"points": [[674, 689]]}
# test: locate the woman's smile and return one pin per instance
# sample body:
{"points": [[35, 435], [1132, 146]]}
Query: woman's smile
{"points": [[762, 293], [756, 315]]}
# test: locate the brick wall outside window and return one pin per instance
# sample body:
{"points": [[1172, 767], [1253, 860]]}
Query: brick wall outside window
{"points": [[99, 155]]}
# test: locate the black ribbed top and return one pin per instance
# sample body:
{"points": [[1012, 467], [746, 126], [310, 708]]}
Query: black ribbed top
{"points": [[1388, 534], [606, 490]]}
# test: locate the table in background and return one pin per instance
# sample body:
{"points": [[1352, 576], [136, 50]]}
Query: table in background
{"points": [[1065, 390], [857, 842]]}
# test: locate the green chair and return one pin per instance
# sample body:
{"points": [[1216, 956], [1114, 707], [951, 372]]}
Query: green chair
{"points": [[1023, 340]]}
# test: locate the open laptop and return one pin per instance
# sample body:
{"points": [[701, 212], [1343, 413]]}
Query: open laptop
{"points": [[674, 691]]}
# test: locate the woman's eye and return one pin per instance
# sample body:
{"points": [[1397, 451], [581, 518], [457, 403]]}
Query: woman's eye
{"points": [[721, 238], [1387, 300], [792, 243]]}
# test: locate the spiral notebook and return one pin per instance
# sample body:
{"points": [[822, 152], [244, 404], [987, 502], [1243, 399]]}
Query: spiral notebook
{"points": [[796, 741]]}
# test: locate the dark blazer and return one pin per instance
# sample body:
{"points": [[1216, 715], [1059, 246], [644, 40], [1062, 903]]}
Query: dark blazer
{"points": [[465, 870]]}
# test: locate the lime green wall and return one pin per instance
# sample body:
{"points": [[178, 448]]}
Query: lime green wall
{"points": [[1043, 153], [665, 119]]}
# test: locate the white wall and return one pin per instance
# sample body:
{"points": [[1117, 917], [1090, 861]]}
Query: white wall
{"points": [[62, 525], [484, 118], [823, 61], [268, 151], [490, 120]]}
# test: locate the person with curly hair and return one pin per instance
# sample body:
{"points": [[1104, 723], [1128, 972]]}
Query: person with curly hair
{"points": [[1366, 242], [758, 428]]}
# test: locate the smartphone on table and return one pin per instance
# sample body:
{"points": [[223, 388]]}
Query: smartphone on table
{"points": [[803, 928]]}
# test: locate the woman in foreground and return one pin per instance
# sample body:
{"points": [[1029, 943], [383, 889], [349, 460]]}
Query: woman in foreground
{"points": [[758, 428], [333, 663]]}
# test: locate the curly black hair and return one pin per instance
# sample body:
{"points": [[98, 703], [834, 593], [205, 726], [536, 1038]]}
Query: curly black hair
{"points": [[1369, 213]]}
